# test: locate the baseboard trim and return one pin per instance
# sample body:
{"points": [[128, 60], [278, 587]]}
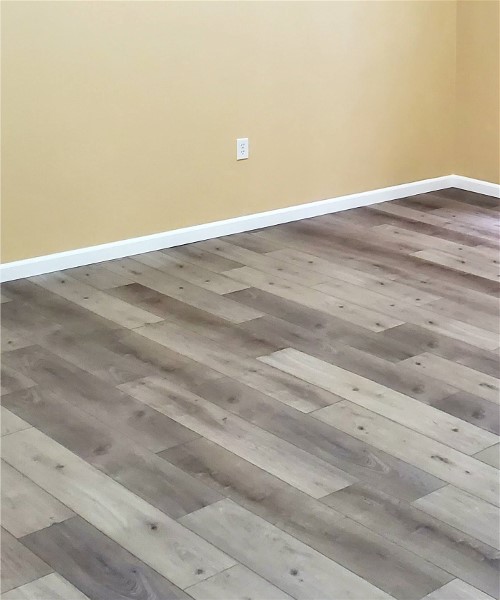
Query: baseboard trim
{"points": [[95, 254], [476, 185]]}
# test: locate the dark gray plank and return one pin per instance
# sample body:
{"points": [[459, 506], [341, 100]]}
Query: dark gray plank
{"points": [[142, 472], [332, 445], [351, 545], [98, 566], [19, 564], [118, 410], [473, 409], [452, 550]]}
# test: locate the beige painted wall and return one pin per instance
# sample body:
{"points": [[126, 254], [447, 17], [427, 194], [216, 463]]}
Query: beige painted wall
{"points": [[478, 89], [120, 118]]}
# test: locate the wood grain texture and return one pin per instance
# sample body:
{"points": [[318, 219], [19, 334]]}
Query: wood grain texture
{"points": [[140, 528], [281, 559], [26, 507], [464, 511], [317, 400], [383, 400], [97, 565], [10, 423], [444, 462], [51, 586], [457, 590], [19, 564], [291, 464], [371, 556], [490, 456], [453, 550], [236, 583]]}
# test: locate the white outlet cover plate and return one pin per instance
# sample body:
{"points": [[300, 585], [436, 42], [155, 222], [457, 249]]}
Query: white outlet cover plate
{"points": [[242, 148]]}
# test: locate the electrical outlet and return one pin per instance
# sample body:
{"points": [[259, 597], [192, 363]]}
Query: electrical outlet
{"points": [[241, 148]]}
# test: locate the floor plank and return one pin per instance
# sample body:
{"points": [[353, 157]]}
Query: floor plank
{"points": [[235, 584], [142, 472], [26, 507], [97, 565], [278, 557], [369, 555], [182, 290], [384, 401], [10, 422], [19, 564], [328, 443], [315, 299], [482, 385], [491, 456], [457, 590], [461, 470], [146, 532], [95, 301], [291, 464], [136, 421], [451, 549], [51, 586], [464, 511]]}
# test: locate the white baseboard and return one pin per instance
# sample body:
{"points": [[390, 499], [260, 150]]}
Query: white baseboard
{"points": [[95, 254], [476, 185]]}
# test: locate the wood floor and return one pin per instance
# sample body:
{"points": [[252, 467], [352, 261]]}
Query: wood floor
{"points": [[308, 411]]}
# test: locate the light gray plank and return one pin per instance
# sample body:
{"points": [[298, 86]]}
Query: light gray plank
{"points": [[143, 530], [292, 566], [18, 564], [236, 583], [465, 512], [384, 401], [457, 590], [50, 587], [25, 506], [490, 455], [304, 471], [461, 470], [10, 423]]}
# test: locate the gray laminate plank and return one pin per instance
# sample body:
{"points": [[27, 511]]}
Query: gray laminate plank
{"points": [[475, 410], [94, 300], [284, 460], [461, 470], [18, 564], [108, 404], [467, 379], [286, 388], [25, 506], [457, 590], [280, 558], [138, 527], [183, 291], [167, 488], [490, 455], [451, 549], [236, 583], [10, 422], [465, 512], [97, 565], [383, 400], [328, 443], [49, 587], [371, 556]]}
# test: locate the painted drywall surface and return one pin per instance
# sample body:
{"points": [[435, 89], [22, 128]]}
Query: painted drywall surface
{"points": [[478, 90], [120, 118]]}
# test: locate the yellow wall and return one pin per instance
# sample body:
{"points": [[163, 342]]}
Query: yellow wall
{"points": [[478, 88], [120, 118]]}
